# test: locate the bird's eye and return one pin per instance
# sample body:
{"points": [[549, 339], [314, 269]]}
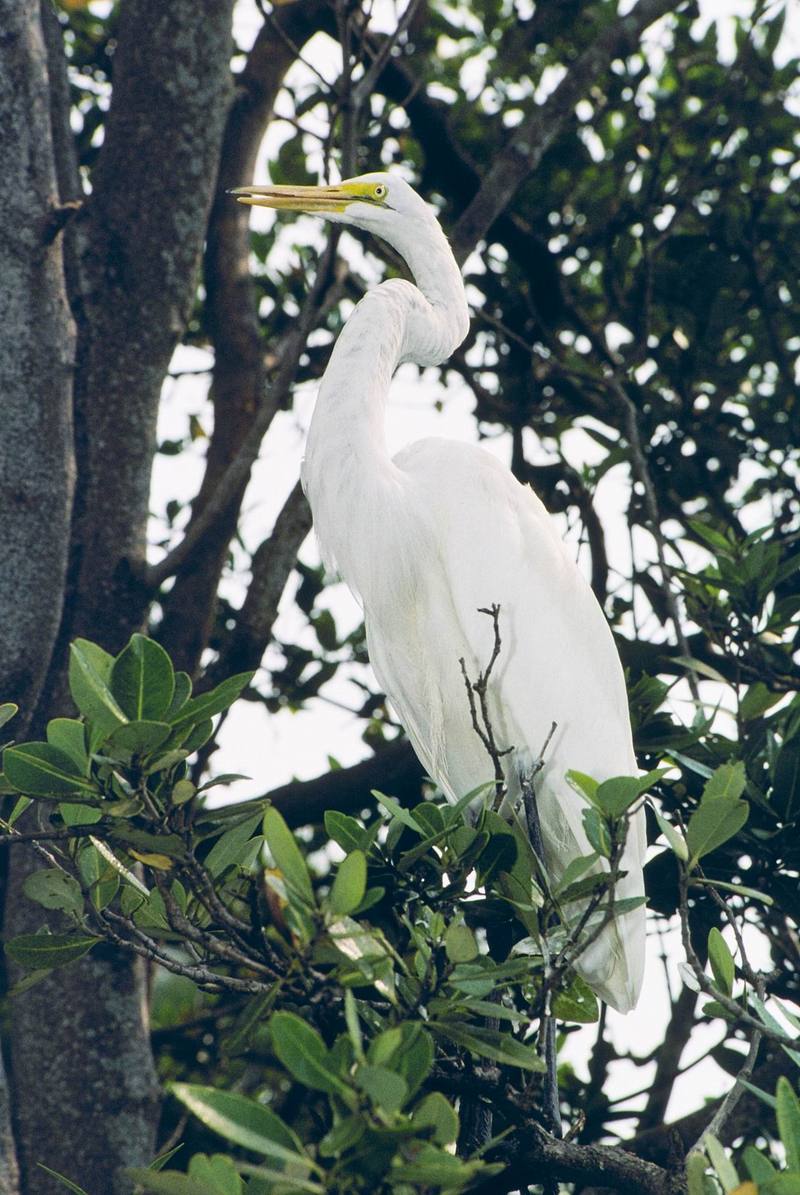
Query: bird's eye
{"points": [[380, 191]]}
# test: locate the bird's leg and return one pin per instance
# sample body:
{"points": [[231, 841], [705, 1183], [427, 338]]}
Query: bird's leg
{"points": [[547, 1025]]}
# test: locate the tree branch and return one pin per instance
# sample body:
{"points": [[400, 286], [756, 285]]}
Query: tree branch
{"points": [[531, 139], [536, 1153], [239, 388], [395, 769], [272, 563]]}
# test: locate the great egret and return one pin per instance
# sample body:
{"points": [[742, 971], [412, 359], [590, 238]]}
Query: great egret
{"points": [[428, 538]]}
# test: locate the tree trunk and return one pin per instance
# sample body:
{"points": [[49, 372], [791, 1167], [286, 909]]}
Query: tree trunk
{"points": [[85, 1097], [36, 357]]}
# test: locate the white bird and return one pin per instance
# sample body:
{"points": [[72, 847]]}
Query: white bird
{"points": [[427, 538]]}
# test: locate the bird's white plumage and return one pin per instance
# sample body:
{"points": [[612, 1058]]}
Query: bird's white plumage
{"points": [[426, 539]]}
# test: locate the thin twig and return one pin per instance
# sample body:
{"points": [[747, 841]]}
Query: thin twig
{"points": [[725, 1110], [269, 18], [366, 84], [483, 725], [730, 1005]]}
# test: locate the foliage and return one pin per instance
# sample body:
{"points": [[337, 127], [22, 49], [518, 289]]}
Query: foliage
{"points": [[635, 335], [407, 977], [374, 988]]}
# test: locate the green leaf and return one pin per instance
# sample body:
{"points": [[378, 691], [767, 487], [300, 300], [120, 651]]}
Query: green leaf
{"points": [[182, 791], [46, 951], [764, 1096], [372, 896], [142, 680], [674, 837], [171, 845], [349, 885], [490, 1043], [284, 1182], [723, 966], [305, 1055], [172, 1182], [435, 1111], [585, 887], [712, 537], [21, 804], [583, 784], [786, 782], [385, 1088], [696, 1173], [434, 1167], [230, 848], [573, 871], [69, 735], [576, 1003], [40, 770], [344, 1135], [353, 1025], [181, 694], [727, 782], [787, 1182], [243, 1121], [288, 857], [756, 701], [197, 736], [713, 823], [480, 978], [136, 738], [739, 889], [398, 812], [217, 1172], [344, 829], [413, 1058], [366, 950], [54, 889], [7, 711], [787, 1112], [724, 1167], [460, 944], [65, 1182], [166, 761], [250, 1020], [597, 831], [198, 709], [89, 672], [700, 667], [759, 1167], [614, 796], [384, 1047]]}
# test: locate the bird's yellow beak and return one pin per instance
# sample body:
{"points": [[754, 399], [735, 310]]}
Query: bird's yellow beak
{"points": [[310, 199]]}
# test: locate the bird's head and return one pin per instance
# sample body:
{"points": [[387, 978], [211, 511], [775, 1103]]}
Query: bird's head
{"points": [[382, 204]]}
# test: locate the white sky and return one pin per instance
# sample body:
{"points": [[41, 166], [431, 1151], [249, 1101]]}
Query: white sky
{"points": [[274, 749]]}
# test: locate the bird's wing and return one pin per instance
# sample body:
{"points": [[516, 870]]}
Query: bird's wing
{"points": [[488, 540]]}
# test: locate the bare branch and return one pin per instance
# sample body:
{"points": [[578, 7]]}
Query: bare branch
{"points": [[272, 563], [536, 1153], [724, 1112], [321, 295], [482, 725]]}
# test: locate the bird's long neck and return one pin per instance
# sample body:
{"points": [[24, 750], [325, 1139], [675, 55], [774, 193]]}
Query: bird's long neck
{"points": [[347, 472]]}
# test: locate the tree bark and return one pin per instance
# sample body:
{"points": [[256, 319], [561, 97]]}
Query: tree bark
{"points": [[86, 1099], [139, 239], [239, 381], [36, 356]]}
